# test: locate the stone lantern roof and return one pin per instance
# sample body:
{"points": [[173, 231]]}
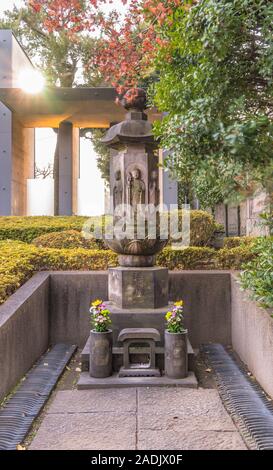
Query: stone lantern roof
{"points": [[135, 128]]}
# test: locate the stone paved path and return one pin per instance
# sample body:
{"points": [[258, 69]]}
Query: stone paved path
{"points": [[137, 418]]}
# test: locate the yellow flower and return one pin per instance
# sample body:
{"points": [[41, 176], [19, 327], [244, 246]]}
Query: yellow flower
{"points": [[105, 312], [96, 303], [179, 303], [168, 315]]}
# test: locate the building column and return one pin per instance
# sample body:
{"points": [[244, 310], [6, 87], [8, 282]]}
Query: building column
{"points": [[68, 169], [5, 160]]}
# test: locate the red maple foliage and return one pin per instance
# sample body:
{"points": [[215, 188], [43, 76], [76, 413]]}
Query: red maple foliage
{"points": [[128, 40]]}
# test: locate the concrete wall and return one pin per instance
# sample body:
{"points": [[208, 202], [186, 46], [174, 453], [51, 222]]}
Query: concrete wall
{"points": [[23, 330], [16, 143], [71, 293], [207, 317], [53, 307], [22, 165], [252, 336], [16, 163], [206, 295], [12, 59], [5, 160]]}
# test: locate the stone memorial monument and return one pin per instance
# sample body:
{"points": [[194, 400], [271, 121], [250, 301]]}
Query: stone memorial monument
{"points": [[134, 188], [138, 289]]}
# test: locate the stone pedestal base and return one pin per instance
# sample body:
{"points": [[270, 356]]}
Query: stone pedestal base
{"points": [[138, 287], [88, 383]]}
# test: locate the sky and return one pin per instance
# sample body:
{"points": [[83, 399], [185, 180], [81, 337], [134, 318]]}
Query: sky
{"points": [[92, 193], [8, 4]]}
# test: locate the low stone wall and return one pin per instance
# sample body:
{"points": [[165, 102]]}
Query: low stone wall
{"points": [[24, 330], [70, 296], [53, 307], [207, 316], [252, 335], [207, 299]]}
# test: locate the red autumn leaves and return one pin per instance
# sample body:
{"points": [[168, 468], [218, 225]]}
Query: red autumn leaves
{"points": [[128, 40]]}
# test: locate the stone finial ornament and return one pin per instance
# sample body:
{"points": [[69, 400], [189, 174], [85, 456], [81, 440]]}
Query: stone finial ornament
{"points": [[134, 99]]}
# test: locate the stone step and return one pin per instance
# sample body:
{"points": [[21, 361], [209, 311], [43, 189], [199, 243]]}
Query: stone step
{"points": [[88, 383], [137, 353]]}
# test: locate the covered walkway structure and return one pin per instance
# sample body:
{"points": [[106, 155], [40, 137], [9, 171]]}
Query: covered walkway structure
{"points": [[65, 109]]}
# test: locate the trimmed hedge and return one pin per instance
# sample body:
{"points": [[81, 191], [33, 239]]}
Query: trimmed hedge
{"points": [[19, 261], [80, 260], [233, 242], [234, 258], [202, 226], [66, 240], [27, 229], [192, 257]]}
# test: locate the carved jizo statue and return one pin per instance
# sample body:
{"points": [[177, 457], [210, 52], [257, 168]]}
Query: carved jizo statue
{"points": [[136, 189], [117, 190]]}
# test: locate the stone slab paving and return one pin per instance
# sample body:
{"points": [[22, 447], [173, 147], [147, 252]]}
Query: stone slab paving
{"points": [[137, 418]]}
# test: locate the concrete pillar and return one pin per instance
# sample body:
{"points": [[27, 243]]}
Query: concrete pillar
{"points": [[22, 165], [5, 160], [16, 163], [68, 141]]}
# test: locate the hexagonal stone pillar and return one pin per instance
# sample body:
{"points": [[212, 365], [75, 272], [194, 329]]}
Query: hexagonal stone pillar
{"points": [[138, 288]]}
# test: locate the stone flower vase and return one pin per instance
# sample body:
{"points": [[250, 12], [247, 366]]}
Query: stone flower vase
{"points": [[176, 355], [100, 362]]}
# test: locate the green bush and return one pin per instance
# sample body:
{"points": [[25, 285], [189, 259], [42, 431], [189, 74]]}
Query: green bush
{"points": [[202, 226], [79, 259], [66, 240], [19, 261], [234, 258], [233, 242], [258, 273], [192, 257], [27, 229]]}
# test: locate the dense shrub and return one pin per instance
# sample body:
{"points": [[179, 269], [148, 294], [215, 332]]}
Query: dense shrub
{"points": [[233, 242], [79, 259], [66, 240], [202, 226], [26, 229], [190, 258], [19, 261], [258, 273], [234, 258]]}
